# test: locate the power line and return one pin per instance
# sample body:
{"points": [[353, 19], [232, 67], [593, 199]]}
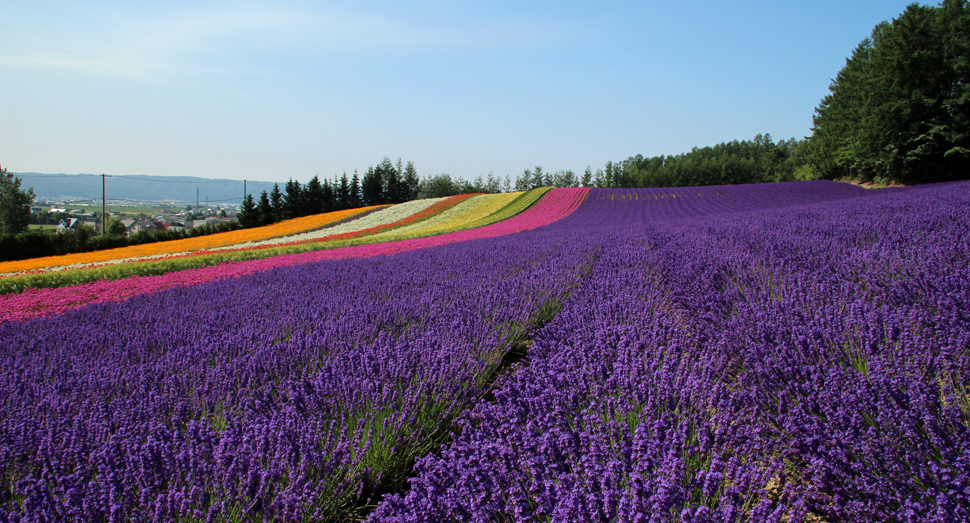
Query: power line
{"points": [[82, 201], [122, 177]]}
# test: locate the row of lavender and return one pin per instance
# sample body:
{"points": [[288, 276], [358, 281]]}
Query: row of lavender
{"points": [[801, 364], [605, 208], [296, 394]]}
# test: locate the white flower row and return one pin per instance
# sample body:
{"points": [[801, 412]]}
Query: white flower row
{"points": [[380, 217], [457, 217]]}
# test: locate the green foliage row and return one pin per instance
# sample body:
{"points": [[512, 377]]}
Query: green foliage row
{"points": [[36, 244], [900, 108]]}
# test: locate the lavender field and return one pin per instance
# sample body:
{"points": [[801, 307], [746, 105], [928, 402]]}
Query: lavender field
{"points": [[780, 352]]}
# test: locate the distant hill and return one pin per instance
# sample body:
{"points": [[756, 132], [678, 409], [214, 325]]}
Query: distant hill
{"points": [[140, 187]]}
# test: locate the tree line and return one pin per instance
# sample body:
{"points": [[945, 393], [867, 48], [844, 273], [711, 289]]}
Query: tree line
{"points": [[900, 108], [759, 160], [387, 183]]}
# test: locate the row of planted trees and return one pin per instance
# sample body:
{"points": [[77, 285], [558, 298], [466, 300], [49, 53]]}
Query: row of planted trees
{"points": [[387, 183]]}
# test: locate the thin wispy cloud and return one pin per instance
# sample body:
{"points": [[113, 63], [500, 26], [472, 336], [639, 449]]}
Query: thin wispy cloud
{"points": [[229, 39]]}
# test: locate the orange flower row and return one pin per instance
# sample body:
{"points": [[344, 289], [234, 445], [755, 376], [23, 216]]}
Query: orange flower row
{"points": [[284, 228]]}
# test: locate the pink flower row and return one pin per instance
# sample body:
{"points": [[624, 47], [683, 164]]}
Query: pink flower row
{"points": [[554, 206]]}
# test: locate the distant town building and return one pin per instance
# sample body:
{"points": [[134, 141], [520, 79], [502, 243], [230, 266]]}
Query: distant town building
{"points": [[143, 225], [67, 224]]}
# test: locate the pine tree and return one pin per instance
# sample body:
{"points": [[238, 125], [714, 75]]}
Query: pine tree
{"points": [[588, 177], [264, 210], [523, 182], [493, 184], [314, 197], [412, 183], [391, 178], [356, 199], [247, 216], [372, 188], [343, 193], [329, 197], [538, 178], [276, 201], [293, 205]]}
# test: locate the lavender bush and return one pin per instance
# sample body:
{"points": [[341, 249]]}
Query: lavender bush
{"points": [[807, 363], [298, 394], [786, 352]]}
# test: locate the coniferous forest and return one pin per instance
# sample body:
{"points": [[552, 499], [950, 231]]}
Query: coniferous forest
{"points": [[900, 108]]}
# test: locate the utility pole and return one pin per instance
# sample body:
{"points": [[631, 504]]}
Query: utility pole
{"points": [[244, 189], [197, 197], [104, 207]]}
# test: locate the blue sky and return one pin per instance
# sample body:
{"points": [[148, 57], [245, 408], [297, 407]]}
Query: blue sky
{"points": [[273, 90]]}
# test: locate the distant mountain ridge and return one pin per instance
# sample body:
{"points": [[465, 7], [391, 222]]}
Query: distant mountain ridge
{"points": [[140, 187]]}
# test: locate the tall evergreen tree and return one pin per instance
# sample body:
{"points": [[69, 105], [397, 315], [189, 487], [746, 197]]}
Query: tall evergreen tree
{"points": [[523, 182], [329, 197], [900, 108], [276, 201], [588, 177], [314, 197], [412, 183], [248, 216], [393, 188], [293, 206], [611, 175], [372, 187], [538, 178], [264, 210], [343, 192], [493, 184], [356, 199], [600, 180]]}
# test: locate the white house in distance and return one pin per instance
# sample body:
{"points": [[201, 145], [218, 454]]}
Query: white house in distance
{"points": [[67, 224]]}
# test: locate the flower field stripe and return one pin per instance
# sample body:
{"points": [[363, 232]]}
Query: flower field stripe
{"points": [[802, 363], [513, 208], [454, 219], [665, 204], [383, 217], [32, 302], [376, 218], [131, 262], [162, 264], [284, 228], [436, 207], [645, 205], [300, 394]]}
